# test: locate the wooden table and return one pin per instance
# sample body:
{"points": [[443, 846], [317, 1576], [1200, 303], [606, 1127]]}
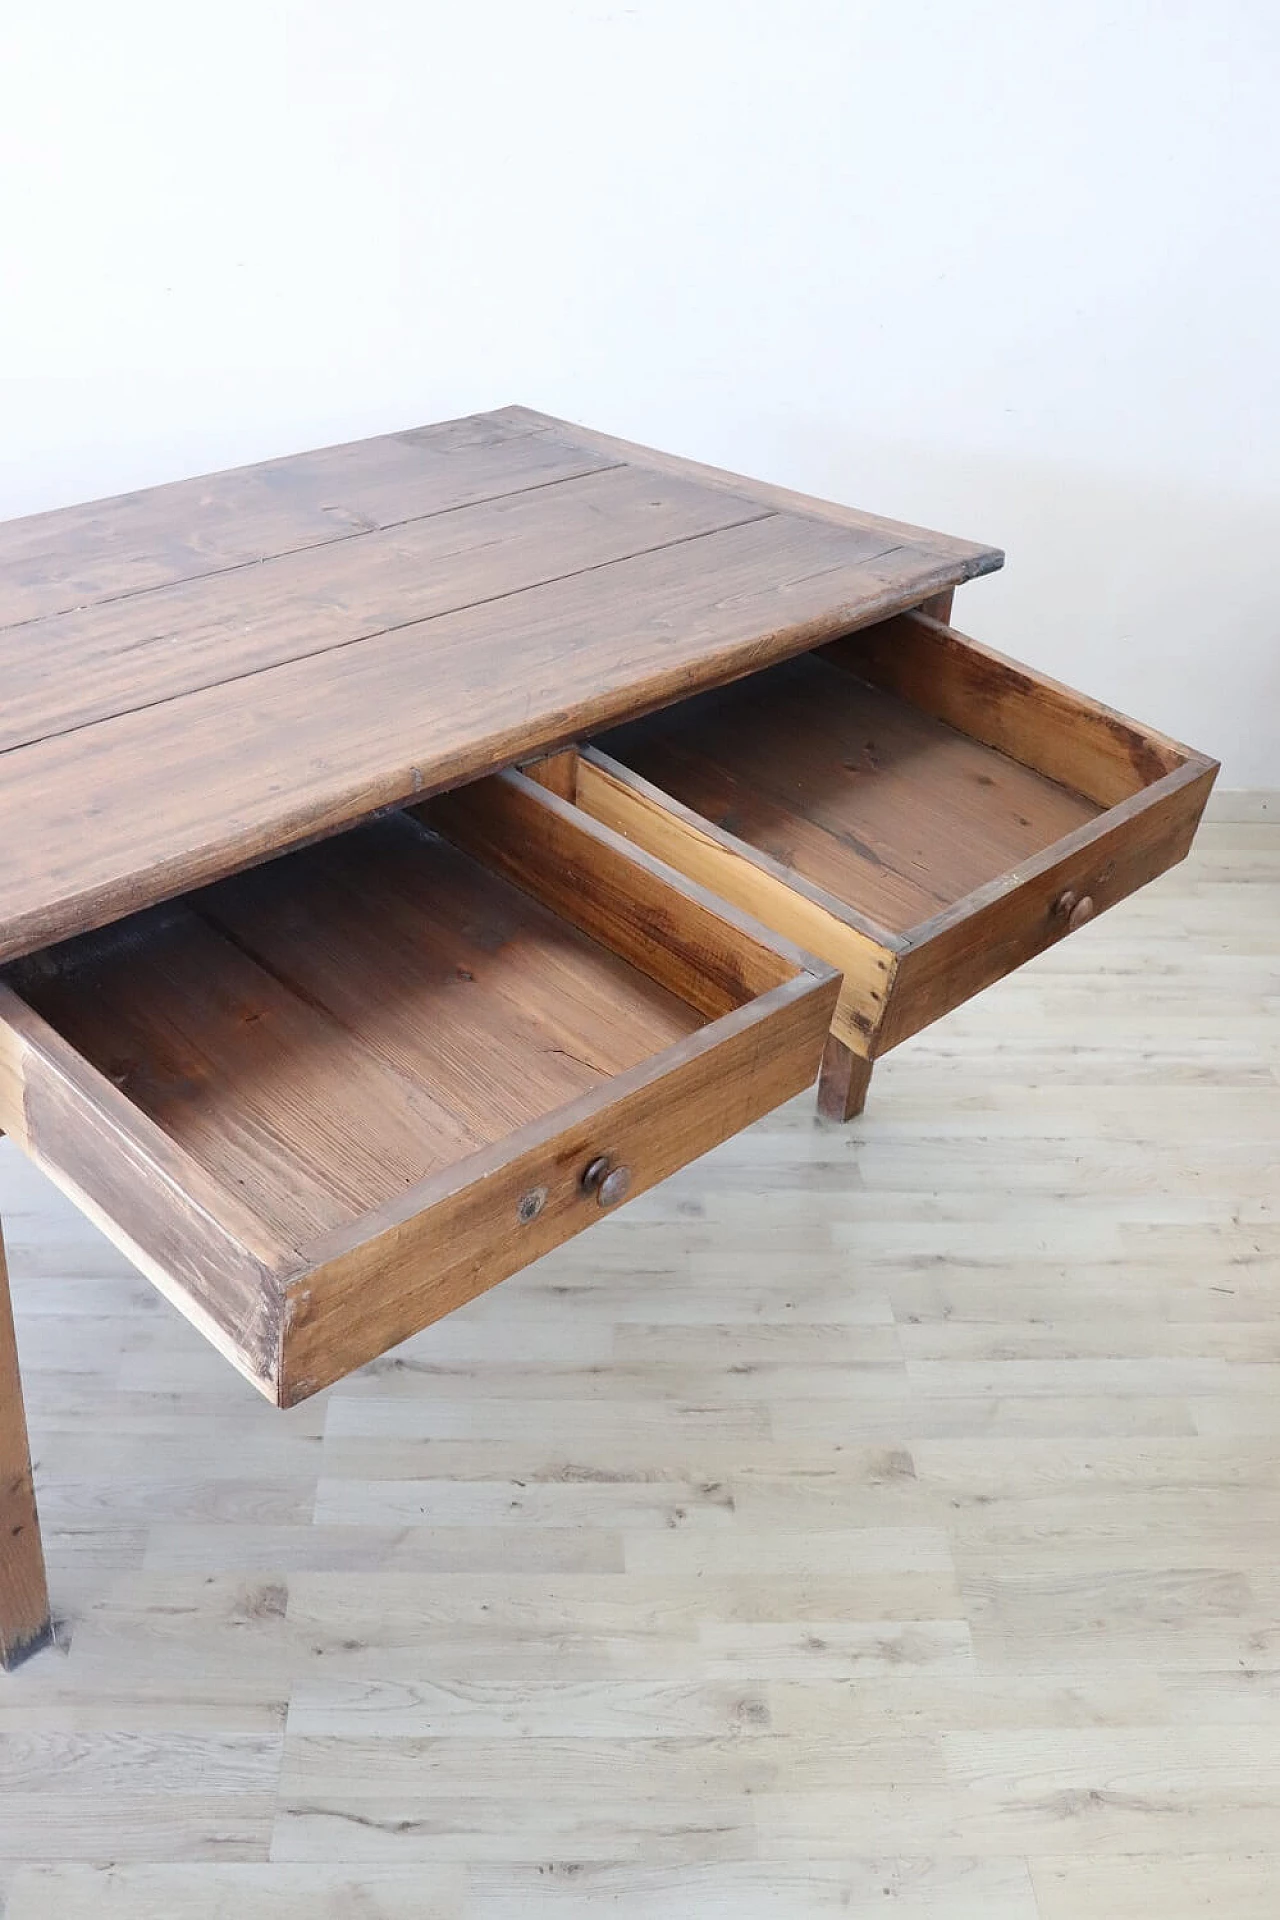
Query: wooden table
{"points": [[332, 1018]]}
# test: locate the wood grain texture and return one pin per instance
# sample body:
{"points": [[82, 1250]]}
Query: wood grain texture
{"points": [[873, 801], [208, 1251], [885, 1509], [952, 815], [843, 1080], [761, 885], [558, 772], [1001, 926], [440, 1246], [139, 542], [475, 994], [969, 558], [68, 671], [1036, 721], [691, 941], [24, 1594], [499, 587], [266, 1091]]}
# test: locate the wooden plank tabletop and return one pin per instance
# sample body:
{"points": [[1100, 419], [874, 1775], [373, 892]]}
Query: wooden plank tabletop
{"points": [[203, 674]]}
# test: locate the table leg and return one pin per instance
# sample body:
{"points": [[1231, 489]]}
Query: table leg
{"points": [[24, 1596], [842, 1082]]}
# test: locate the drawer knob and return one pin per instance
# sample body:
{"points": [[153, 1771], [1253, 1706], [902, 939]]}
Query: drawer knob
{"points": [[1074, 908], [608, 1183], [614, 1187]]}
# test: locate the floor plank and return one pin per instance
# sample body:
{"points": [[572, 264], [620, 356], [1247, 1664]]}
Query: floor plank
{"points": [[877, 1520]]}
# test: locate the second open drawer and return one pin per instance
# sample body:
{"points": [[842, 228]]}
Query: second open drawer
{"points": [[327, 1100], [922, 812]]}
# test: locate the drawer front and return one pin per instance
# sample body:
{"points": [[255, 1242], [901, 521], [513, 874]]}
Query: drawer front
{"points": [[428, 1255], [990, 934], [324, 1103], [919, 811]]}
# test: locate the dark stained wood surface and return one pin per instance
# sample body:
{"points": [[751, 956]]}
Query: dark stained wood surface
{"points": [[204, 674], [843, 1081]]}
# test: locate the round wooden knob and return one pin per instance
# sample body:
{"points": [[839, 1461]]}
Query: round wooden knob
{"points": [[614, 1186], [1074, 908]]}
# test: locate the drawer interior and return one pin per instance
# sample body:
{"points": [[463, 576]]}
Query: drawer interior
{"points": [[899, 770], [330, 1099], [853, 787], [324, 1032], [920, 811]]}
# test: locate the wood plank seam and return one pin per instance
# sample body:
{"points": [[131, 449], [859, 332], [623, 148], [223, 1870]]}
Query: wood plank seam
{"points": [[318, 546], [792, 585], [397, 626]]}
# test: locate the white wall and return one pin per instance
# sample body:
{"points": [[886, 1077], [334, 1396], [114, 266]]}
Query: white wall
{"points": [[1005, 268]]}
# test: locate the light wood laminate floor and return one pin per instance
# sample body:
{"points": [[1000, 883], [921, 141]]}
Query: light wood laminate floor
{"points": [[880, 1520]]}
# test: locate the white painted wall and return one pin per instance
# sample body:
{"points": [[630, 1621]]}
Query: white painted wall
{"points": [[1005, 268]]}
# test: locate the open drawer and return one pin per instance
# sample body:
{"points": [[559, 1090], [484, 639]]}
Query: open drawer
{"points": [[324, 1102], [920, 811]]}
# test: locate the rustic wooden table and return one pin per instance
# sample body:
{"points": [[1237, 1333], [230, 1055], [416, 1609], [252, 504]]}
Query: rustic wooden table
{"points": [[331, 1018]]}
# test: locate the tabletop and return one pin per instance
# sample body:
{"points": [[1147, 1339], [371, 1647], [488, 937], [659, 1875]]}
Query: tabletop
{"points": [[200, 675]]}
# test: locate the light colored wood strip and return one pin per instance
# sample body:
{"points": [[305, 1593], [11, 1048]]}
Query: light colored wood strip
{"points": [[866, 957]]}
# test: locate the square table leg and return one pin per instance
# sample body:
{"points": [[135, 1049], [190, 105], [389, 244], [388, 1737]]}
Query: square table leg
{"points": [[24, 1596], [843, 1081]]}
